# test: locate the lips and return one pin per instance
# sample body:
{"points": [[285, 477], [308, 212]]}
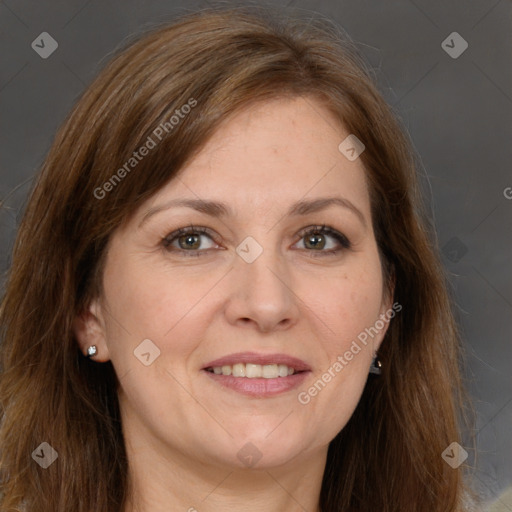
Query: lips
{"points": [[270, 385]]}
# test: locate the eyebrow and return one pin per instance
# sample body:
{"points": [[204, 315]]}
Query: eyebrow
{"points": [[218, 209]]}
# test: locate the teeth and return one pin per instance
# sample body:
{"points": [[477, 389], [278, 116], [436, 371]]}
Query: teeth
{"points": [[254, 371], [239, 370], [283, 370], [270, 371]]}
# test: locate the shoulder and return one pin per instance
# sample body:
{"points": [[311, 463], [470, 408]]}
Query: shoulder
{"points": [[469, 504], [502, 503]]}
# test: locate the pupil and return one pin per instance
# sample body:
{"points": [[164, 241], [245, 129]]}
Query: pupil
{"points": [[191, 241], [316, 240]]}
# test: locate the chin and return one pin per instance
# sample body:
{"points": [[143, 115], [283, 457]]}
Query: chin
{"points": [[264, 450]]}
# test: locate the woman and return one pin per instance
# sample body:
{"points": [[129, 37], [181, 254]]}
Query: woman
{"points": [[224, 293]]}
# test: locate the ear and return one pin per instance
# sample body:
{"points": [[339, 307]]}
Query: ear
{"points": [[89, 329]]}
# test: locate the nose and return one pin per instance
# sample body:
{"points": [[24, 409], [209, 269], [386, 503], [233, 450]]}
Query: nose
{"points": [[261, 294]]}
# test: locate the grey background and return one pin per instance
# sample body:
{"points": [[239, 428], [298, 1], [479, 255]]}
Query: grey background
{"points": [[458, 112]]}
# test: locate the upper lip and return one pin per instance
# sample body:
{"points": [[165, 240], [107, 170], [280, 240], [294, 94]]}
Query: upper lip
{"points": [[253, 357]]}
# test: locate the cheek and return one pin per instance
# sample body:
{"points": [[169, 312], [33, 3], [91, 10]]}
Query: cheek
{"points": [[350, 308], [354, 304], [148, 305]]}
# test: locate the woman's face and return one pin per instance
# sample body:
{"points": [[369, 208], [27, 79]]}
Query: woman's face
{"points": [[180, 312]]}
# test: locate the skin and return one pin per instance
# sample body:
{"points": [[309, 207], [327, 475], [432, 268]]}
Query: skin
{"points": [[182, 430]]}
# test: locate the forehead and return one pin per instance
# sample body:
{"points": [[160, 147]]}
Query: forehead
{"points": [[268, 156]]}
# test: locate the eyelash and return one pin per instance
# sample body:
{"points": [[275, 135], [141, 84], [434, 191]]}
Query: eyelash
{"points": [[322, 230]]}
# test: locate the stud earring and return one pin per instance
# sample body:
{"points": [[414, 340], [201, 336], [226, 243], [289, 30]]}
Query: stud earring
{"points": [[92, 351], [376, 366]]}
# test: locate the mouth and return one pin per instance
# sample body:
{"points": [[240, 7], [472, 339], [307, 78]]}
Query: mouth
{"points": [[258, 375], [254, 371]]}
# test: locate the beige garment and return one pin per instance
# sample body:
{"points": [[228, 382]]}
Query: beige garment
{"points": [[503, 503]]}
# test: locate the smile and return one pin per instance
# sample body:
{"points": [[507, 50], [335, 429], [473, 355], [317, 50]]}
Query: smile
{"points": [[257, 375], [254, 371]]}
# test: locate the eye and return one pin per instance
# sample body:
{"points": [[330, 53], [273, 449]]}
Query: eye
{"points": [[188, 240], [316, 238]]}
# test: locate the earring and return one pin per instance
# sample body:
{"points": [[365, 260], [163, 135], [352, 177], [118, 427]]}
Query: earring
{"points": [[92, 351], [376, 366]]}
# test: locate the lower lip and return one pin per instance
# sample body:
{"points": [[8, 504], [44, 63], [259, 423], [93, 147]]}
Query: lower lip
{"points": [[259, 387]]}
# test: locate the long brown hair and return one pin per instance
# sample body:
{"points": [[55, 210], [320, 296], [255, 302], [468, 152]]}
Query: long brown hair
{"points": [[388, 456]]}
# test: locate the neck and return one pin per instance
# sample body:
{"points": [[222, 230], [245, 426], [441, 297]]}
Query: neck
{"points": [[175, 482]]}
